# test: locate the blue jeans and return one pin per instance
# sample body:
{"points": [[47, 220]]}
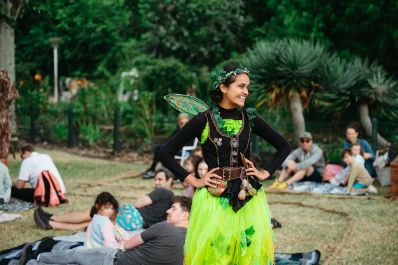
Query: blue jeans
{"points": [[82, 256]]}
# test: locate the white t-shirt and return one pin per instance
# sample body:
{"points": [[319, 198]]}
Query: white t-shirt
{"points": [[32, 166]]}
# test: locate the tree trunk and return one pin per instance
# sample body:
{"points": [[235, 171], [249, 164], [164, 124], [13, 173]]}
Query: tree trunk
{"points": [[7, 95], [10, 10], [296, 109], [363, 110]]}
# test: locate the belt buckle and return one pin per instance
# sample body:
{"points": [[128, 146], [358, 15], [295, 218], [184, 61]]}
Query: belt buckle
{"points": [[242, 172], [226, 170]]}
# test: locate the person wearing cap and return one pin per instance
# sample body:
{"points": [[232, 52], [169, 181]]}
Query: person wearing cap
{"points": [[305, 163]]}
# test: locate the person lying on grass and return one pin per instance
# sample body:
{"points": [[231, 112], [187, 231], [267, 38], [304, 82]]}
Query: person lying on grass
{"points": [[145, 211], [162, 243]]}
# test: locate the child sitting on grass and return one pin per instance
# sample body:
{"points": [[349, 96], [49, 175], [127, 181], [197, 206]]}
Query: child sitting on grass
{"points": [[342, 177], [101, 231], [359, 180]]}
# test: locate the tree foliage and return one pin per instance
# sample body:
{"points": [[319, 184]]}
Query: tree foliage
{"points": [[89, 29], [350, 83], [285, 66], [356, 27], [196, 32], [174, 44]]}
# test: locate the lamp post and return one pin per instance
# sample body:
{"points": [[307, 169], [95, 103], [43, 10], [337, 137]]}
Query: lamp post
{"points": [[55, 42]]}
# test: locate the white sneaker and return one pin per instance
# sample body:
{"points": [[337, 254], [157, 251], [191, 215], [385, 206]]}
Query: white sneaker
{"points": [[372, 189]]}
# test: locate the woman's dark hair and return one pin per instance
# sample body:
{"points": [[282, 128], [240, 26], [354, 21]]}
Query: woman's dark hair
{"points": [[102, 199], [354, 126], [216, 94], [197, 167]]}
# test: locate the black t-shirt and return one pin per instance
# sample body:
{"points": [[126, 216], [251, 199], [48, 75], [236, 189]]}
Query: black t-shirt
{"points": [[162, 199], [164, 244]]}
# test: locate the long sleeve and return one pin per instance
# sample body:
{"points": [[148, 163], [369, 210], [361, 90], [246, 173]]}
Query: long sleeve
{"points": [[366, 147], [295, 155], [108, 233], [265, 131], [316, 155], [190, 131]]}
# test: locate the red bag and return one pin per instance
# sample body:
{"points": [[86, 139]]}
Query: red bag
{"points": [[48, 191], [330, 171]]}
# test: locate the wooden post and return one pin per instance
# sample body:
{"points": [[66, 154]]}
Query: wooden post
{"points": [[71, 127], [394, 178], [116, 129]]}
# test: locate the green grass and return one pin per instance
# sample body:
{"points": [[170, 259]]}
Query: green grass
{"points": [[347, 230]]}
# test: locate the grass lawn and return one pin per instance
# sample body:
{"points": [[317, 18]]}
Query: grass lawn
{"points": [[347, 230]]}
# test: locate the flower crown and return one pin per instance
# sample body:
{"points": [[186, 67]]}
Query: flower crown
{"points": [[219, 76]]}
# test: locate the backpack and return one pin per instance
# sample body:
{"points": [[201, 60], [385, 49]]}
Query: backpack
{"points": [[48, 191]]}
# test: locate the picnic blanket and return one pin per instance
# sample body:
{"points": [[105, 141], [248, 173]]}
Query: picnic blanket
{"points": [[16, 206], [4, 217], [12, 256], [307, 258], [320, 188]]}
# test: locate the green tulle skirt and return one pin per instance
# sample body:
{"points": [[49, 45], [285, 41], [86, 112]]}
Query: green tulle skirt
{"points": [[218, 235]]}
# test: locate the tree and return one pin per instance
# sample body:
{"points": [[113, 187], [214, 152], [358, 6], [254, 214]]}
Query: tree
{"points": [[335, 24], [361, 86], [162, 77], [9, 11], [8, 94], [91, 32], [286, 71], [196, 31]]}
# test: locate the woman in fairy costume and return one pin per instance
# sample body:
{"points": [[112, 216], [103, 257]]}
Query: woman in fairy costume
{"points": [[230, 218]]}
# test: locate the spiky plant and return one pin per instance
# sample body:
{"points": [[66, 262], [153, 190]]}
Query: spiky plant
{"points": [[361, 85], [286, 72]]}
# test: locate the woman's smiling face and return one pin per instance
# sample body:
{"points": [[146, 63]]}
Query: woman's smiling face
{"points": [[236, 93]]}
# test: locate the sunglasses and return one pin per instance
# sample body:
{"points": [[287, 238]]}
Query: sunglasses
{"points": [[305, 140]]}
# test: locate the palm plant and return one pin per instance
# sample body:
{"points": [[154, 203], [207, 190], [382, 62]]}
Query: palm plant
{"points": [[361, 85], [286, 72]]}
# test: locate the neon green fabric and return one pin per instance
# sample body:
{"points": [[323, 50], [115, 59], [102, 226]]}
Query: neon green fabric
{"points": [[230, 127], [218, 235]]}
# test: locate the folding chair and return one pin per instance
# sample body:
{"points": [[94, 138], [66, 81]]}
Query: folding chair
{"points": [[186, 152]]}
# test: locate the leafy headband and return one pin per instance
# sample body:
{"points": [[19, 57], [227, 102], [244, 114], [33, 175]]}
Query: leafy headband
{"points": [[219, 76]]}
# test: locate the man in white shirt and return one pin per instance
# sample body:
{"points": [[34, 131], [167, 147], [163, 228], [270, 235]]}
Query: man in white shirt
{"points": [[33, 164]]}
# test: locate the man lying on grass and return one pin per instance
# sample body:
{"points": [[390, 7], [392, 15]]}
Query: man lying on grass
{"points": [[162, 243]]}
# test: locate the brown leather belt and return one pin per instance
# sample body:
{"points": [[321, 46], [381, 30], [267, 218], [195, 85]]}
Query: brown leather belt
{"points": [[228, 173]]}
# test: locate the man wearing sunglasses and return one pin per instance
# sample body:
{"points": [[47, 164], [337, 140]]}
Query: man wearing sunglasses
{"points": [[305, 163]]}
